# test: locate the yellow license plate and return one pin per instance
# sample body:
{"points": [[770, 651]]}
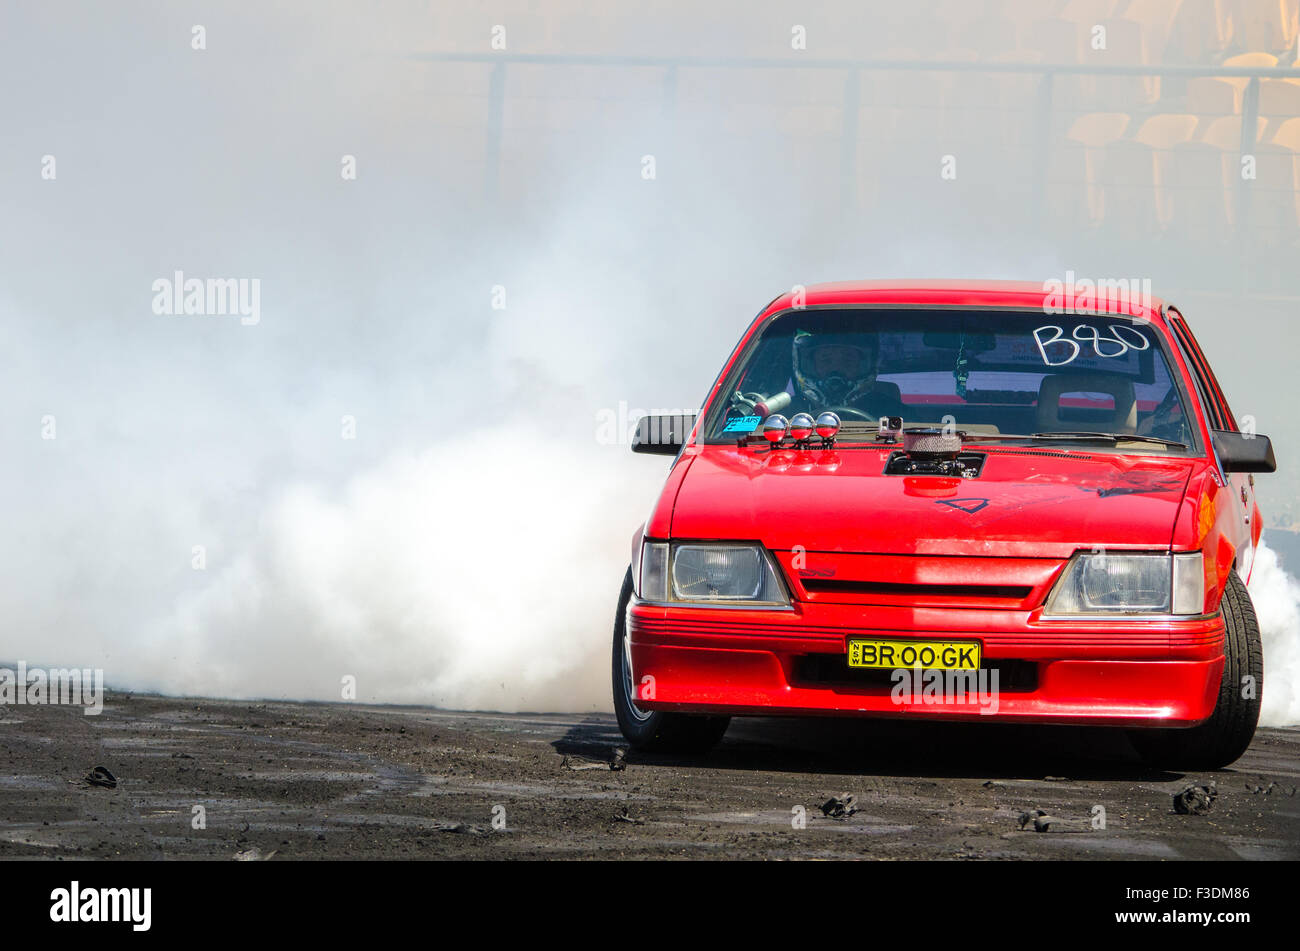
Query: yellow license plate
{"points": [[941, 655]]}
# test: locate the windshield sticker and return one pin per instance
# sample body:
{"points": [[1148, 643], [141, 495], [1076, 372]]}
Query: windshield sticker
{"points": [[1121, 340], [742, 424]]}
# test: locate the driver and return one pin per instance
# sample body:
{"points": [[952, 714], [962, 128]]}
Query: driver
{"points": [[838, 370]]}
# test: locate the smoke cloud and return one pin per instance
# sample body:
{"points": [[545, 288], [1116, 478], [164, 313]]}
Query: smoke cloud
{"points": [[1276, 596]]}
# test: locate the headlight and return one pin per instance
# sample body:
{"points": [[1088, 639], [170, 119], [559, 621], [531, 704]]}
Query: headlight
{"points": [[709, 574], [1108, 583]]}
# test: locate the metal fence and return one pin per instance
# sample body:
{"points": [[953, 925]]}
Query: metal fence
{"points": [[1048, 76]]}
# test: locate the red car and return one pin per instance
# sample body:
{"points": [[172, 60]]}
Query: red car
{"points": [[952, 500]]}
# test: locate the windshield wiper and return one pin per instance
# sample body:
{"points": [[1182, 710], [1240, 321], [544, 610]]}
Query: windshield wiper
{"points": [[1076, 436], [1117, 438]]}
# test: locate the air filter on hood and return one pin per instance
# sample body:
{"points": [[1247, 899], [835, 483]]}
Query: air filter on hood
{"points": [[931, 445]]}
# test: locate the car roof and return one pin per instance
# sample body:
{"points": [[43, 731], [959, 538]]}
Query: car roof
{"points": [[1115, 296]]}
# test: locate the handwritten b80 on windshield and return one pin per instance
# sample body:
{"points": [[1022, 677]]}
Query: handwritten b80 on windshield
{"points": [[1108, 340]]}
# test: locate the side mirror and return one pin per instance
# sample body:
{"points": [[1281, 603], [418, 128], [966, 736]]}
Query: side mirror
{"points": [[662, 435], [1244, 452]]}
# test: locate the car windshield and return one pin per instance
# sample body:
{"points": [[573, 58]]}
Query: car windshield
{"points": [[990, 373]]}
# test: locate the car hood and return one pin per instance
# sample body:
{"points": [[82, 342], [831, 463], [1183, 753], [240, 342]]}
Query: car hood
{"points": [[1025, 503]]}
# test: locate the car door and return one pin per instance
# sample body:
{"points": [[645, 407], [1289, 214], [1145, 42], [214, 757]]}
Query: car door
{"points": [[1243, 530]]}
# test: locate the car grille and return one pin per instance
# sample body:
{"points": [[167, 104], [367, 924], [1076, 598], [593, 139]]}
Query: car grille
{"points": [[833, 670], [920, 581], [831, 586]]}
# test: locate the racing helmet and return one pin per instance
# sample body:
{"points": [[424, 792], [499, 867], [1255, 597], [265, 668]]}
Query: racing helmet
{"points": [[833, 369]]}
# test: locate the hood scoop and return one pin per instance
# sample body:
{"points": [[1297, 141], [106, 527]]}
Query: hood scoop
{"points": [[937, 452]]}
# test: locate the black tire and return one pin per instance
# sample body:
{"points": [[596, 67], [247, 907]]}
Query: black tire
{"points": [[1221, 739], [653, 730]]}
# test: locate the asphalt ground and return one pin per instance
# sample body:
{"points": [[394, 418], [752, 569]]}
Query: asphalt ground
{"points": [[229, 780]]}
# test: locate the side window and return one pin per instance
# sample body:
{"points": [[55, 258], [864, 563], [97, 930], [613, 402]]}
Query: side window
{"points": [[1218, 417], [1221, 412]]}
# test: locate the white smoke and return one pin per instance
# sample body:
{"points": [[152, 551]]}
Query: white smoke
{"points": [[1276, 595], [431, 579]]}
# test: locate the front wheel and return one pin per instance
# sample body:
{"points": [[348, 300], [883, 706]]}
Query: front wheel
{"points": [[1222, 738], [649, 729]]}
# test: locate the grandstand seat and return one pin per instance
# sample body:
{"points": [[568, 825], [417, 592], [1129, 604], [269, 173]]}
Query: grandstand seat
{"points": [[984, 106], [1133, 174], [1073, 190], [1055, 39], [1279, 100], [1139, 35], [1024, 11], [1220, 95], [914, 36], [1201, 31], [1266, 24], [1082, 92], [1088, 12], [1275, 193], [1203, 179], [987, 36]]}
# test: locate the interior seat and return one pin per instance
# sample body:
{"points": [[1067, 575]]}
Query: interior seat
{"points": [[1120, 389], [889, 391]]}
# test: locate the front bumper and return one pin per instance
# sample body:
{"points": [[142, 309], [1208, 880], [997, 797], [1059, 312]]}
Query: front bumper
{"points": [[1125, 673]]}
